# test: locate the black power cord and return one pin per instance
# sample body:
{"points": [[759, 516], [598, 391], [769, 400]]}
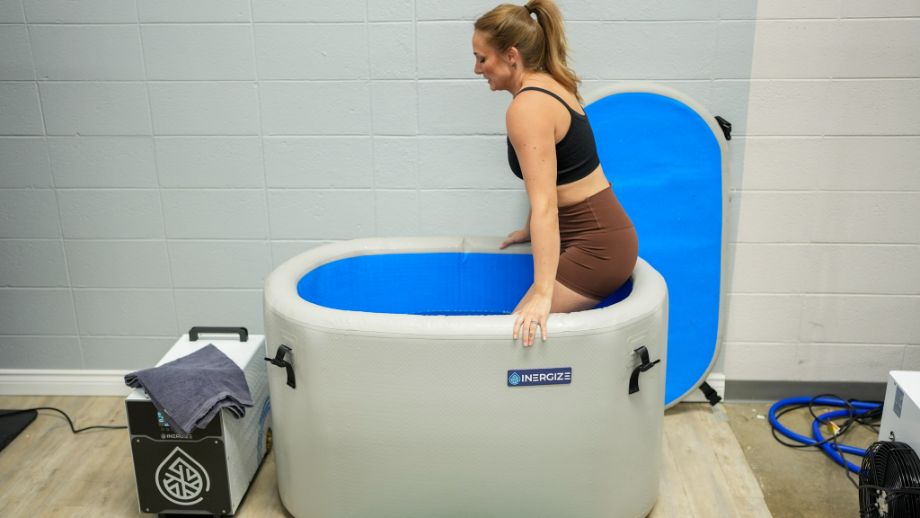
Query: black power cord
{"points": [[69, 421]]}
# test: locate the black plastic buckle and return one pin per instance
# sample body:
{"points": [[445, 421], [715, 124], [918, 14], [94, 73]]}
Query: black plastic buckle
{"points": [[279, 361], [711, 395], [644, 366]]}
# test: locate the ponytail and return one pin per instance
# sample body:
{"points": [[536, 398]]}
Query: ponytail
{"points": [[537, 30], [555, 47]]}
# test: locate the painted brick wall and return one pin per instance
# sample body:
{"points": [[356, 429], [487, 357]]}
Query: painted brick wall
{"points": [[826, 203], [158, 158]]}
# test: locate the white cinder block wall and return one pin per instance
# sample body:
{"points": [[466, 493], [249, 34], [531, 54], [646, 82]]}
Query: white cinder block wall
{"points": [[826, 183], [158, 158]]}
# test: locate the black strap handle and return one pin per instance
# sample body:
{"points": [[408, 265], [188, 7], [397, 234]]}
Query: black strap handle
{"points": [[726, 127], [279, 361], [195, 331], [642, 367]]}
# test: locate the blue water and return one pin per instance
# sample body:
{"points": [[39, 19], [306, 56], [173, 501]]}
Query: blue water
{"points": [[426, 283]]}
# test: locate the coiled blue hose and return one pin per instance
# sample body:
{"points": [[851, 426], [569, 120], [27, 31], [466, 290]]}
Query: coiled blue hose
{"points": [[851, 409]]}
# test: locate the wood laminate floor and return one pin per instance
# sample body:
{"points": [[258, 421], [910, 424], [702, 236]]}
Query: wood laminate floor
{"points": [[49, 472]]}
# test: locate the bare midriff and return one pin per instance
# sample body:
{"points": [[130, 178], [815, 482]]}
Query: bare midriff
{"points": [[579, 190]]}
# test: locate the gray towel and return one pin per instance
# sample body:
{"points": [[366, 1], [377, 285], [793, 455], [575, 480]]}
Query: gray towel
{"points": [[191, 390]]}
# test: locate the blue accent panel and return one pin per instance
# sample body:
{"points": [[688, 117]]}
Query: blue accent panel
{"points": [[426, 283], [665, 165]]}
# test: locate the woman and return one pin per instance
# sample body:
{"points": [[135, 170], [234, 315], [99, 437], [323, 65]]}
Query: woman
{"points": [[584, 244]]}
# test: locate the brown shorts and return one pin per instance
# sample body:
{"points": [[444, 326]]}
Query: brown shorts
{"points": [[598, 244]]}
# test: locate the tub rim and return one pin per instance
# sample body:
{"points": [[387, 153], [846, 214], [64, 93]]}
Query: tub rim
{"points": [[649, 294]]}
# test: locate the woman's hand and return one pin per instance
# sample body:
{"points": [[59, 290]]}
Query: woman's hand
{"points": [[532, 312], [518, 236]]}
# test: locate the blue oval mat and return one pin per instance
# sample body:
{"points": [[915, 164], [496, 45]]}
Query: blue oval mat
{"points": [[665, 164]]}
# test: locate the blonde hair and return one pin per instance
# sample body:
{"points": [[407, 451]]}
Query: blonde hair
{"points": [[541, 42]]}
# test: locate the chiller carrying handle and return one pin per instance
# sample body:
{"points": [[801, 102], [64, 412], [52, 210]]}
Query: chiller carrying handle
{"points": [[279, 361], [642, 367], [195, 331]]}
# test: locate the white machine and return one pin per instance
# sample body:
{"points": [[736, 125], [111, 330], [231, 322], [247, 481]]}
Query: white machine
{"points": [[208, 470], [901, 414]]}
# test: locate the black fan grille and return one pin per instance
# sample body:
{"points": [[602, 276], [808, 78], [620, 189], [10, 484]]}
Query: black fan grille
{"points": [[889, 481]]}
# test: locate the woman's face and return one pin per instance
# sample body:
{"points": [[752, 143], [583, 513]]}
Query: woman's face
{"points": [[491, 64]]}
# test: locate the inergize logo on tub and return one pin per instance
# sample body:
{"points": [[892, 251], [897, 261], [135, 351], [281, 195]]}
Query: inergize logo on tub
{"points": [[526, 378]]}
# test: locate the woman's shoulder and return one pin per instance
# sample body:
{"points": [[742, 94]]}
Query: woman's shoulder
{"points": [[527, 114], [526, 111], [531, 97]]}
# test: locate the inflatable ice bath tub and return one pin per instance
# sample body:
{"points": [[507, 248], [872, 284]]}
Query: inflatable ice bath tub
{"points": [[399, 391]]}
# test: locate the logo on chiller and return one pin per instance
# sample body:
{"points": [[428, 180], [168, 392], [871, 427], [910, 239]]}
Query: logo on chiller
{"points": [[181, 479]]}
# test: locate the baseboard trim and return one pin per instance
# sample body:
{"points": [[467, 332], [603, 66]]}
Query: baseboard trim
{"points": [[716, 380], [747, 390], [62, 382], [77, 382]]}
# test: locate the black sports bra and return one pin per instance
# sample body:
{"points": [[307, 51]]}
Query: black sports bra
{"points": [[576, 153]]}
